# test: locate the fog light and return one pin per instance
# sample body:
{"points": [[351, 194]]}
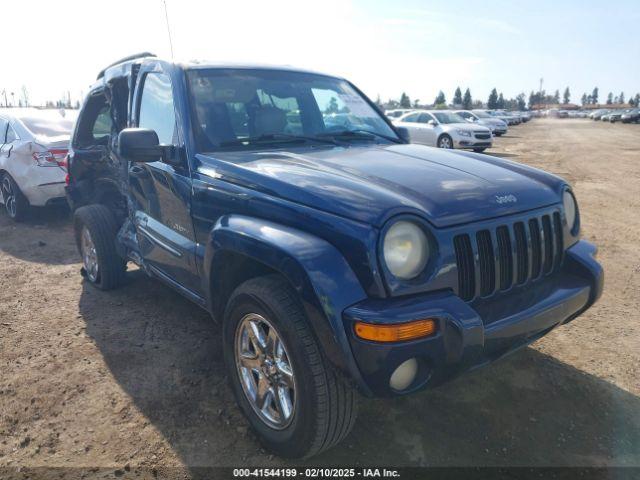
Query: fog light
{"points": [[404, 375]]}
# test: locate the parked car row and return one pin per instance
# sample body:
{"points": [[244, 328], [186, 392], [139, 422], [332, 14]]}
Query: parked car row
{"points": [[627, 115], [462, 129], [624, 115]]}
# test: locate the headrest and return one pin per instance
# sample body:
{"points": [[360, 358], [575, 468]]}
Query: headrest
{"points": [[268, 119]]}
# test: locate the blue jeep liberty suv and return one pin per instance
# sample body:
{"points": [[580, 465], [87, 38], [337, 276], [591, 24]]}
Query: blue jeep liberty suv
{"points": [[336, 256]]}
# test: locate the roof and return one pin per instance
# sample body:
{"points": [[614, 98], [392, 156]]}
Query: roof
{"points": [[200, 64]]}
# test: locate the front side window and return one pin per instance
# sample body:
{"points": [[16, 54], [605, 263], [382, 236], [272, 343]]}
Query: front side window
{"points": [[156, 107], [448, 117], [235, 108]]}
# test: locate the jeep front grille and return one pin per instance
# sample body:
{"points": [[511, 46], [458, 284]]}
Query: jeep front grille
{"points": [[512, 254]]}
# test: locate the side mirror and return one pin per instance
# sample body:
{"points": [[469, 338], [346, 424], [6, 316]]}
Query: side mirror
{"points": [[140, 145], [431, 123], [403, 133]]}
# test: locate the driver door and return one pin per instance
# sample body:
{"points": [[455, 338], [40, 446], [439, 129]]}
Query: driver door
{"points": [[161, 193], [428, 133]]}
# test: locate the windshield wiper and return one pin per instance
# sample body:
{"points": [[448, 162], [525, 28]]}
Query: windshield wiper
{"points": [[277, 138], [362, 133]]}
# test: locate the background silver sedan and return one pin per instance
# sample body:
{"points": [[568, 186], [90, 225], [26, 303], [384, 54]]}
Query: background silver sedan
{"points": [[33, 150]]}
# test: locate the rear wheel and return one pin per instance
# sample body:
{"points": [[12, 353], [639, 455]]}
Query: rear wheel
{"points": [[15, 203], [445, 141], [294, 399], [96, 230]]}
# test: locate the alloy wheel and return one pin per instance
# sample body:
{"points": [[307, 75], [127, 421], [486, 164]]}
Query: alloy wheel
{"points": [[265, 371], [445, 142], [89, 255], [9, 197]]}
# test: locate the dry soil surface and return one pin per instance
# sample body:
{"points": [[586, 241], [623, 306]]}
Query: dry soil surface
{"points": [[134, 377]]}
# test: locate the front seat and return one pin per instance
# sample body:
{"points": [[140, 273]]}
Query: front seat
{"points": [[218, 127], [268, 120]]}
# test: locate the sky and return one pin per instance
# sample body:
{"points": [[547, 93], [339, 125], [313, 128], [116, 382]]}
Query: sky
{"points": [[385, 47]]}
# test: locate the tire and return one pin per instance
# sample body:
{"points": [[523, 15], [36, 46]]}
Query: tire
{"points": [[99, 223], [499, 134], [479, 150], [324, 404], [15, 203], [445, 141]]}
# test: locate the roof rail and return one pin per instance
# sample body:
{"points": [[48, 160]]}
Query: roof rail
{"points": [[122, 60]]}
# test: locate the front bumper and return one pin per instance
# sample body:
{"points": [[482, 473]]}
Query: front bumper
{"points": [[474, 334], [471, 142]]}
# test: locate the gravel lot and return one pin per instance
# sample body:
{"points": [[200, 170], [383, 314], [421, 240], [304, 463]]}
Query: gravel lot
{"points": [[134, 377]]}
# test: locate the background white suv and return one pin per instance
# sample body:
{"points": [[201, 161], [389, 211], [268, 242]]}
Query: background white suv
{"points": [[445, 129]]}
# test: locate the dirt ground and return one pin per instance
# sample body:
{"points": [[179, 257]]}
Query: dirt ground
{"points": [[134, 377]]}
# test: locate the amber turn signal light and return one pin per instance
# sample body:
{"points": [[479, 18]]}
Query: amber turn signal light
{"points": [[398, 332]]}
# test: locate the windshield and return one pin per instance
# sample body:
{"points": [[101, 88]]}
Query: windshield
{"points": [[448, 117], [50, 124], [482, 114], [237, 108]]}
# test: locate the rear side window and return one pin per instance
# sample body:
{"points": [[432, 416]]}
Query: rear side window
{"points": [[156, 107], [413, 118], [3, 130], [94, 124], [11, 135], [102, 126]]}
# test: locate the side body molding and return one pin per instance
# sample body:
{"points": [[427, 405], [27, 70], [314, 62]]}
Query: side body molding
{"points": [[314, 268]]}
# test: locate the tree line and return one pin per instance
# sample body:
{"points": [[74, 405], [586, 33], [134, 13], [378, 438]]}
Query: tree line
{"points": [[498, 101], [8, 99]]}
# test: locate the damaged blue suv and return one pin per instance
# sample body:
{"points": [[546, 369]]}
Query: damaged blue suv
{"points": [[337, 256]]}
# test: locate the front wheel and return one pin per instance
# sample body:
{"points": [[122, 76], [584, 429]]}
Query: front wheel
{"points": [[15, 203], [96, 230], [294, 399], [445, 141]]}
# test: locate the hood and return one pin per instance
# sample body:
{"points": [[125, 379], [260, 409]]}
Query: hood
{"points": [[463, 126], [492, 121], [371, 184]]}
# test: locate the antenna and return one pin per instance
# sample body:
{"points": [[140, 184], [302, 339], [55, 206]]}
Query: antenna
{"points": [[166, 16]]}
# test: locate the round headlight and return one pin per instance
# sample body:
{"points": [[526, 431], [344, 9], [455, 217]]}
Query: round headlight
{"points": [[405, 249], [570, 209]]}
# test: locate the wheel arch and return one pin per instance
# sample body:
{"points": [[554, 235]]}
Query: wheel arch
{"points": [[443, 134], [240, 248]]}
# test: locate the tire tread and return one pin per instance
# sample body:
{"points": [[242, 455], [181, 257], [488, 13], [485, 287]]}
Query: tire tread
{"points": [[103, 228], [336, 399]]}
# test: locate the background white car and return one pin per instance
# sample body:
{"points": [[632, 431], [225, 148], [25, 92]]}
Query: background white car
{"points": [[398, 112], [498, 127], [445, 129], [33, 149]]}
